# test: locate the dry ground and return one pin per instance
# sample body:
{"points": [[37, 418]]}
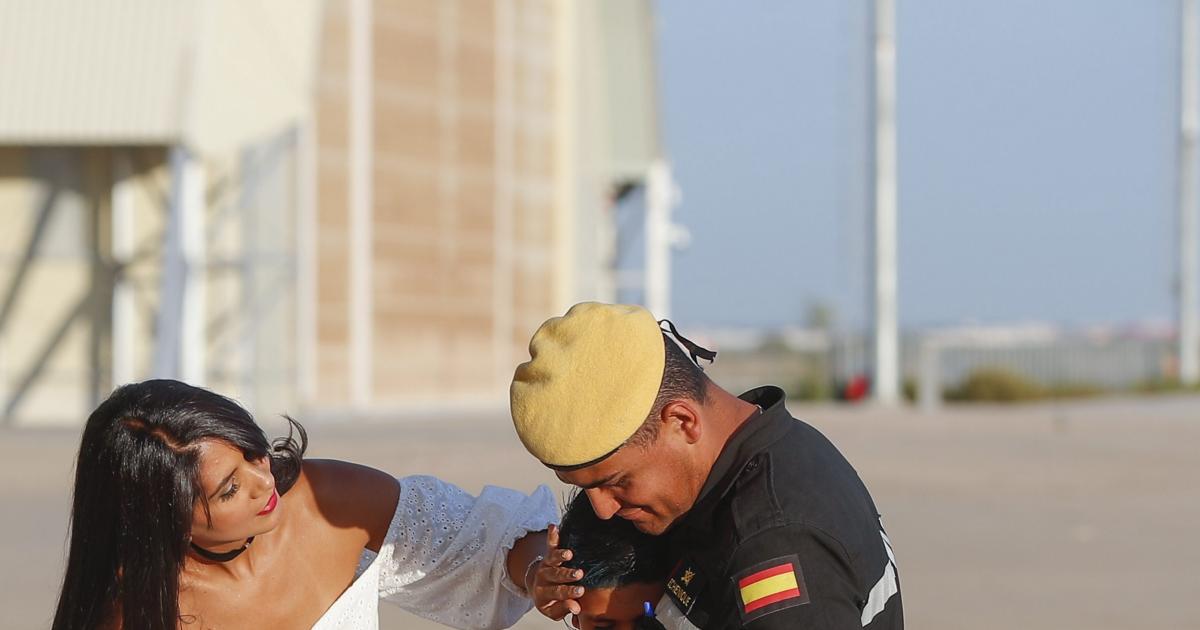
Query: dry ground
{"points": [[1080, 515]]}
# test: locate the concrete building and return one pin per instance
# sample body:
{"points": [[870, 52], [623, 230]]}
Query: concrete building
{"points": [[337, 209]]}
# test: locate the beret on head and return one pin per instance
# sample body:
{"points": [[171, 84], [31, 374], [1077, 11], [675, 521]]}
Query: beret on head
{"points": [[590, 382]]}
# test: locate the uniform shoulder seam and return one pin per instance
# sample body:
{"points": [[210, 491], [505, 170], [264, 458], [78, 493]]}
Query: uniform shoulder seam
{"points": [[840, 547]]}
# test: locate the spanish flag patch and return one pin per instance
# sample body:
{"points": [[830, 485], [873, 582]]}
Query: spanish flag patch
{"points": [[770, 586]]}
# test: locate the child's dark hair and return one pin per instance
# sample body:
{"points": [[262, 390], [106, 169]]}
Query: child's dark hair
{"points": [[611, 553]]}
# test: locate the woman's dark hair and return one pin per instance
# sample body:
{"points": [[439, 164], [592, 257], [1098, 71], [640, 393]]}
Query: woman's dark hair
{"points": [[136, 486], [611, 553]]}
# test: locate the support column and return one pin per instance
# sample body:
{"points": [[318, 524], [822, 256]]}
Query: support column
{"points": [[124, 309], [1189, 127], [362, 320], [661, 237], [180, 346]]}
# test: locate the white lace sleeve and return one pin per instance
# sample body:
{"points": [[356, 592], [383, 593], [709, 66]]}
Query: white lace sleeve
{"points": [[445, 551]]}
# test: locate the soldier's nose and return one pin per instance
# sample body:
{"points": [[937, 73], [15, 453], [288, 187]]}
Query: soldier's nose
{"points": [[602, 503]]}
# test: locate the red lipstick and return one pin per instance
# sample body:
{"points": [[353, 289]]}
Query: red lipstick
{"points": [[271, 503]]}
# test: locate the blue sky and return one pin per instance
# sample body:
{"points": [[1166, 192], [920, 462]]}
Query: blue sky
{"points": [[1037, 145]]}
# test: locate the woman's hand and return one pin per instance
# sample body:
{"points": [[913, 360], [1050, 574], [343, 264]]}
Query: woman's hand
{"points": [[549, 583]]}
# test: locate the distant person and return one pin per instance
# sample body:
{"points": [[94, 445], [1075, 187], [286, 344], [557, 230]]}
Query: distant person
{"points": [[624, 570], [772, 526], [185, 516]]}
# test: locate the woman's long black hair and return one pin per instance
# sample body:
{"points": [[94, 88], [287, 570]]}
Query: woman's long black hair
{"points": [[136, 485]]}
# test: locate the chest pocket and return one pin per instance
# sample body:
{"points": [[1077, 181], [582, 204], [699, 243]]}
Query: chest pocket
{"points": [[755, 506]]}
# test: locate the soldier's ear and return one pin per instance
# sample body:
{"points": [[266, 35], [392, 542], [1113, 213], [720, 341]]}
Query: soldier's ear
{"points": [[683, 416]]}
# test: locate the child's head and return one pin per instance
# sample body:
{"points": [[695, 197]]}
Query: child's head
{"points": [[622, 567]]}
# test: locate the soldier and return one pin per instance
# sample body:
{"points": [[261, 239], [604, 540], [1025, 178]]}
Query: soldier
{"points": [[772, 526]]}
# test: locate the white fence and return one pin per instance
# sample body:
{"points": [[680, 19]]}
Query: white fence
{"points": [[934, 360]]}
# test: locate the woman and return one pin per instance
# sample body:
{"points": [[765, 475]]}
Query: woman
{"points": [[185, 516]]}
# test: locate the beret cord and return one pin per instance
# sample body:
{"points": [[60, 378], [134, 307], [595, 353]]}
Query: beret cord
{"points": [[698, 352]]}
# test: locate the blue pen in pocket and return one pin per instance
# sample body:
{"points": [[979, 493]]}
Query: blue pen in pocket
{"points": [[647, 620]]}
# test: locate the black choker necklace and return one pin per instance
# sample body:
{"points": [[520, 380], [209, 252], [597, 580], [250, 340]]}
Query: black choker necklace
{"points": [[221, 557]]}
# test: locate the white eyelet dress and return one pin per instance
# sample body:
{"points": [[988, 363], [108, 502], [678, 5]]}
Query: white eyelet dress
{"points": [[444, 558]]}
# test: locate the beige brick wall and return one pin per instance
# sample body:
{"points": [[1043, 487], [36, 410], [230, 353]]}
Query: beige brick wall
{"points": [[435, 190]]}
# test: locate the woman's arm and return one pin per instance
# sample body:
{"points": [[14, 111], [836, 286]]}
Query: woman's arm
{"points": [[354, 497], [450, 546]]}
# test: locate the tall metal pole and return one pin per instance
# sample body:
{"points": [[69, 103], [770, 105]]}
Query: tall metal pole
{"points": [[1189, 326], [887, 374]]}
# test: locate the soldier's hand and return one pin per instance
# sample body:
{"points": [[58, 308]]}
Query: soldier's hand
{"points": [[551, 583]]}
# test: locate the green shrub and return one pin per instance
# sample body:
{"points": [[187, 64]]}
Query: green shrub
{"points": [[997, 384], [1074, 390], [811, 387], [1167, 385], [994, 384]]}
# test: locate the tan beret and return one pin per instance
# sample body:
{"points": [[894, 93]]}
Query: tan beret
{"points": [[590, 382]]}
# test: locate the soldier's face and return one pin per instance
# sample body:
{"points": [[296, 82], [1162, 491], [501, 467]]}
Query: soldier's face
{"points": [[651, 486]]}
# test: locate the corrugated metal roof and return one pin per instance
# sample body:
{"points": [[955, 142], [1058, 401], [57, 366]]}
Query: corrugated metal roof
{"points": [[213, 72], [93, 72]]}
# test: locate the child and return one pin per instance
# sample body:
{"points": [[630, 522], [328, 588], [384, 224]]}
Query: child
{"points": [[624, 570]]}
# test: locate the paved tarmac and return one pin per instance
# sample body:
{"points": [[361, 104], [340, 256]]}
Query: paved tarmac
{"points": [[1054, 516]]}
